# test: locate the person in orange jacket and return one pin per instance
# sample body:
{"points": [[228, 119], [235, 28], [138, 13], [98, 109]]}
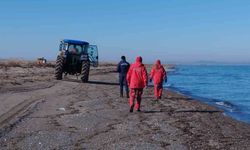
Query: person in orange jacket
{"points": [[158, 74], [137, 79]]}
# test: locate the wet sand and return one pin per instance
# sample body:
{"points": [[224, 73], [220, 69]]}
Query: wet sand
{"points": [[39, 112]]}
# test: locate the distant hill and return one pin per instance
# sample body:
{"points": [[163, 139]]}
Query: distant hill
{"points": [[219, 63]]}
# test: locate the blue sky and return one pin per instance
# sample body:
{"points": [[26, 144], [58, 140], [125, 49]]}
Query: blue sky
{"points": [[170, 30]]}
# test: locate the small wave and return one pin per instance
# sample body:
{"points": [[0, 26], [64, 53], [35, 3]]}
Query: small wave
{"points": [[225, 104], [167, 85], [171, 70]]}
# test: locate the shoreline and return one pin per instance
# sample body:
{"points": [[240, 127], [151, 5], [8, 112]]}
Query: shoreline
{"points": [[69, 114], [225, 106], [211, 85]]}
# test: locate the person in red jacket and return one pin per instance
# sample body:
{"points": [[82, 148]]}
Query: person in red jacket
{"points": [[158, 74], [137, 79]]}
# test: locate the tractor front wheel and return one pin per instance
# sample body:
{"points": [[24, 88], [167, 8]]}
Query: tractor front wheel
{"points": [[85, 71], [59, 68]]}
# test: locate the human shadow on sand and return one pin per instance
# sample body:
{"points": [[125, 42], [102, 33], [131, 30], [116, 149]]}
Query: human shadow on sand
{"points": [[101, 82], [90, 82], [154, 111]]}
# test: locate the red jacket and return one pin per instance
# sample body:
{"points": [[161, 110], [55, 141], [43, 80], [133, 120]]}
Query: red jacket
{"points": [[158, 73], [137, 75]]}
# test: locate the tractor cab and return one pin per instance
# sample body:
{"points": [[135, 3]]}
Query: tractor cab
{"points": [[80, 50]]}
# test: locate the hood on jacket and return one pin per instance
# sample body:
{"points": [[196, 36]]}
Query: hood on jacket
{"points": [[158, 64], [138, 59]]}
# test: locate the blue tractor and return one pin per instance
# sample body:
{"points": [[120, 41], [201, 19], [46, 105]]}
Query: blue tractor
{"points": [[75, 58]]}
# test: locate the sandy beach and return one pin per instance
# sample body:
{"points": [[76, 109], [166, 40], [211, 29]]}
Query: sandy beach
{"points": [[39, 112]]}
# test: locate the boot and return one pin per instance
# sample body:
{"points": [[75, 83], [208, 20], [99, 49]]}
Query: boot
{"points": [[127, 95], [121, 94], [131, 109]]}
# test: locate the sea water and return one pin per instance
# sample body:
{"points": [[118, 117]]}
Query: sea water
{"points": [[225, 86]]}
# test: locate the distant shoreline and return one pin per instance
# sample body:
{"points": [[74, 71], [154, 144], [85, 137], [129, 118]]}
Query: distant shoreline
{"points": [[145, 61]]}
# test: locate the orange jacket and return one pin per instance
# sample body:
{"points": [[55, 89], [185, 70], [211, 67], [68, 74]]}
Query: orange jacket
{"points": [[137, 75], [158, 73]]}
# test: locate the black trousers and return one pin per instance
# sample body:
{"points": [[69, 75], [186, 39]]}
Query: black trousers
{"points": [[123, 82]]}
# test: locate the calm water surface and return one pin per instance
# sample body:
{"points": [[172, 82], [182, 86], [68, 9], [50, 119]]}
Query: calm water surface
{"points": [[225, 86]]}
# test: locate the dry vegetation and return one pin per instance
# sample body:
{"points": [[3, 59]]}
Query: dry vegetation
{"points": [[30, 64], [107, 64], [23, 64], [17, 72]]}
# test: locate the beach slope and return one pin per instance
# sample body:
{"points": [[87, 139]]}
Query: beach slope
{"points": [[39, 112]]}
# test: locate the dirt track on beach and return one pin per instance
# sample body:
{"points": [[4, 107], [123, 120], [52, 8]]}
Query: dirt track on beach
{"points": [[39, 112]]}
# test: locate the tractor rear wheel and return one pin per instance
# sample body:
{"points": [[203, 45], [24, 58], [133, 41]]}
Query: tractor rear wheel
{"points": [[59, 68], [85, 71]]}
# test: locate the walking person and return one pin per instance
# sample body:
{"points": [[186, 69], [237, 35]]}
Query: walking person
{"points": [[122, 68], [137, 80], [158, 74]]}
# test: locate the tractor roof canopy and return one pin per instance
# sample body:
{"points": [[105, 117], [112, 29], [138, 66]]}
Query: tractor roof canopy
{"points": [[75, 42]]}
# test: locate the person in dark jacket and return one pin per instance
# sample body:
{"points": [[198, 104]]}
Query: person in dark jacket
{"points": [[122, 68]]}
